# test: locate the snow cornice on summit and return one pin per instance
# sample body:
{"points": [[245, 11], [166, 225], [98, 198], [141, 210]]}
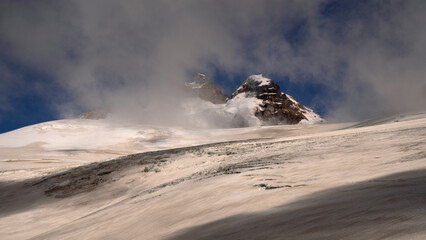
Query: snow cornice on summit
{"points": [[260, 79]]}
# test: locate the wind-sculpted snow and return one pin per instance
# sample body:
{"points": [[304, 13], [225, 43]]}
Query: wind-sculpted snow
{"points": [[390, 207], [295, 181]]}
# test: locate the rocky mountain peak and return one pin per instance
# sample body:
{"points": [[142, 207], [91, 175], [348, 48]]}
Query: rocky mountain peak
{"points": [[201, 78], [259, 86], [276, 107], [204, 87], [258, 101]]}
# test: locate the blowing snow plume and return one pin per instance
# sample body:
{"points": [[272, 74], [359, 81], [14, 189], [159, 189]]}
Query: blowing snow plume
{"points": [[133, 57]]}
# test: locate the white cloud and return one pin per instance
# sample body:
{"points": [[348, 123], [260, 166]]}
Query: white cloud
{"points": [[131, 55]]}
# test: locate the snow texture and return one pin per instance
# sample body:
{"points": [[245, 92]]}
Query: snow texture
{"points": [[332, 181], [311, 116], [262, 80], [282, 182]]}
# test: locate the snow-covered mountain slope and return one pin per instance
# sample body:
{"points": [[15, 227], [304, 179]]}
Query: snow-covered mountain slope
{"points": [[51, 146], [311, 117], [277, 182], [275, 107], [243, 108]]}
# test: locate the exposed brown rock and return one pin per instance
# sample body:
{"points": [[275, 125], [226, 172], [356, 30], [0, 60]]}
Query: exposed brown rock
{"points": [[95, 115], [276, 107], [203, 87]]}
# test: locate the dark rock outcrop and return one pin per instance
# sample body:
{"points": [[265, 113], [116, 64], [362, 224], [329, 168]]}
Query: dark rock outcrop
{"points": [[95, 115], [203, 87], [276, 107]]}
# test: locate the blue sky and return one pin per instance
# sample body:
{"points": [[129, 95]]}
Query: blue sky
{"points": [[348, 60]]}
